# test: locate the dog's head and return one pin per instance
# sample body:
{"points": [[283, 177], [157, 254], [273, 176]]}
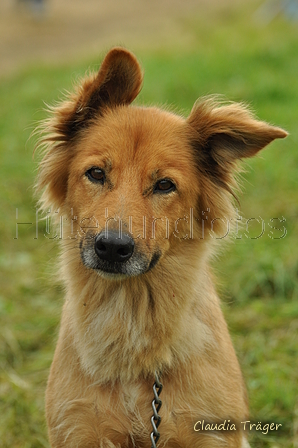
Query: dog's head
{"points": [[135, 183]]}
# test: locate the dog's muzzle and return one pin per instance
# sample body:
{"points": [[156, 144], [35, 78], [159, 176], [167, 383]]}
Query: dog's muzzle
{"points": [[112, 248], [113, 255]]}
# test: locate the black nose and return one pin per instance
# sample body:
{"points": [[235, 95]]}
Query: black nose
{"points": [[110, 247]]}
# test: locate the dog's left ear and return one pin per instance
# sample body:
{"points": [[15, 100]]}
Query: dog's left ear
{"points": [[221, 136], [225, 134]]}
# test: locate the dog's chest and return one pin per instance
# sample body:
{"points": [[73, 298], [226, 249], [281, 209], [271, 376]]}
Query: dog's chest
{"points": [[131, 397], [135, 408]]}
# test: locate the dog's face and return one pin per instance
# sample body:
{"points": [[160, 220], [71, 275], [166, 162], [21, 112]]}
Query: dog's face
{"points": [[133, 178], [139, 180]]}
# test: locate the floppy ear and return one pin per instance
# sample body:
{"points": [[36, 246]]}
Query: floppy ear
{"points": [[221, 136], [118, 82]]}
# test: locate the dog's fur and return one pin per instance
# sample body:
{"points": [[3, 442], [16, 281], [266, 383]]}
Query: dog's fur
{"points": [[157, 311]]}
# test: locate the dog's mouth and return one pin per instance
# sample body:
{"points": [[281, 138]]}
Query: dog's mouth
{"points": [[115, 257]]}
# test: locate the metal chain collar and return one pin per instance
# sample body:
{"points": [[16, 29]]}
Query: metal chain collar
{"points": [[156, 405]]}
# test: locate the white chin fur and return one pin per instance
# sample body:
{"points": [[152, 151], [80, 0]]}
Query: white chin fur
{"points": [[111, 276]]}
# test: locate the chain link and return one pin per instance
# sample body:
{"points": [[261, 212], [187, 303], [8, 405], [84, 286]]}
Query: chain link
{"points": [[156, 405]]}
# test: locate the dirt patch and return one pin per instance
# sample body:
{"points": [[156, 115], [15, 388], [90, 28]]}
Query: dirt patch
{"points": [[72, 28]]}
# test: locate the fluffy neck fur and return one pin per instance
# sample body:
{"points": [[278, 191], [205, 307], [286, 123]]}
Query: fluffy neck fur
{"points": [[126, 329]]}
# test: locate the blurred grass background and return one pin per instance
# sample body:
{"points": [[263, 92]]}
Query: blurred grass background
{"points": [[228, 53]]}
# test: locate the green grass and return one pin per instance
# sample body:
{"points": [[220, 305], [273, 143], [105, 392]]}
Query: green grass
{"points": [[258, 277]]}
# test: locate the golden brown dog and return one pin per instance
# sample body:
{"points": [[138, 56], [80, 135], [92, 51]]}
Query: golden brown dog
{"points": [[145, 193]]}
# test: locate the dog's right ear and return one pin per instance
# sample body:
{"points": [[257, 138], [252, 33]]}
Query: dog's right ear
{"points": [[118, 82]]}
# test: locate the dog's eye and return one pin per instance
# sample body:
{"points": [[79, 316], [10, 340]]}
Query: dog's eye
{"points": [[164, 186], [96, 175]]}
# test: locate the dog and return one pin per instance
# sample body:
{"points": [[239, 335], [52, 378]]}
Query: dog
{"points": [[145, 194]]}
